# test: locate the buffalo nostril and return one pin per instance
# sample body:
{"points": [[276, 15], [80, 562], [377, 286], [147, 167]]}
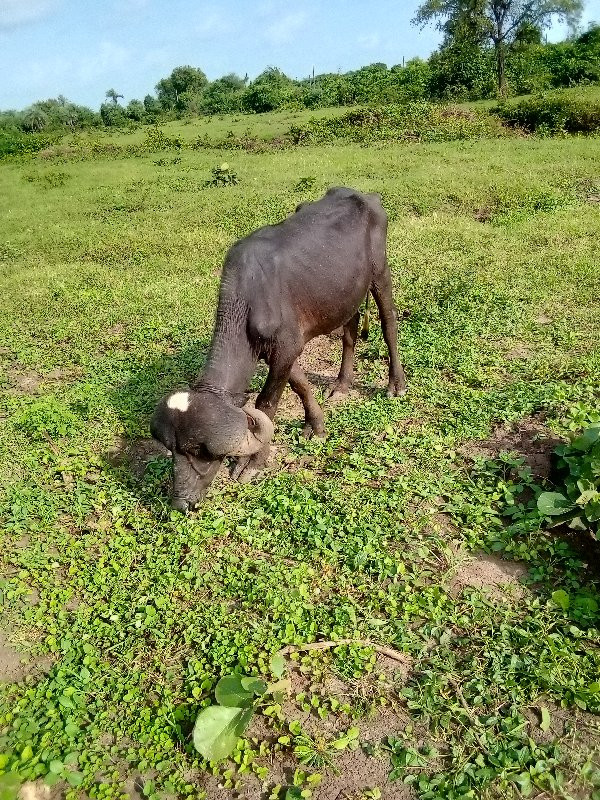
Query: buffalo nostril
{"points": [[180, 504]]}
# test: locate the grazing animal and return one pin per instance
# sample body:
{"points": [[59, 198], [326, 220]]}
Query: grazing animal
{"points": [[281, 286]]}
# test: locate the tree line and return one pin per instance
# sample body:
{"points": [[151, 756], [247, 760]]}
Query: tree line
{"points": [[485, 52]]}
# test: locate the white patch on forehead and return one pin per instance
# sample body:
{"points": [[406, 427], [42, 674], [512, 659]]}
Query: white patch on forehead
{"points": [[179, 401]]}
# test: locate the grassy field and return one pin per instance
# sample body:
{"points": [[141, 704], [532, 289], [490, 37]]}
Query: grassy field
{"points": [[407, 527]]}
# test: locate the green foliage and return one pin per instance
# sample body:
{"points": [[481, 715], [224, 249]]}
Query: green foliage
{"points": [[578, 504], [552, 113], [413, 122], [129, 614], [48, 416], [156, 139], [218, 728], [223, 175]]}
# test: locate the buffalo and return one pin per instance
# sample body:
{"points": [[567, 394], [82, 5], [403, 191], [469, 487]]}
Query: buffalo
{"points": [[281, 286]]}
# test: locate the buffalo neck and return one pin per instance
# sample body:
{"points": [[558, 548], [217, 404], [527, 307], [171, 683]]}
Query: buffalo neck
{"points": [[231, 361]]}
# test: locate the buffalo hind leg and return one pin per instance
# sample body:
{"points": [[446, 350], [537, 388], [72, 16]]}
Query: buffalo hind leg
{"points": [[313, 414], [280, 369], [381, 290], [344, 380]]}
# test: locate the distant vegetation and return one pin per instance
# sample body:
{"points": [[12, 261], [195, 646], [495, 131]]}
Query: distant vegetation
{"points": [[464, 68]]}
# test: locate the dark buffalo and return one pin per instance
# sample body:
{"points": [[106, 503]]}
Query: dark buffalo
{"points": [[281, 286]]}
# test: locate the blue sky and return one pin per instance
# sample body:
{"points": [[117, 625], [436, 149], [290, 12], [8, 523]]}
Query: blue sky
{"points": [[81, 49]]}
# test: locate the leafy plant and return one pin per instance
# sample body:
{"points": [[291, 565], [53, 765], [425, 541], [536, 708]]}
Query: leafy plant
{"points": [[319, 752], [223, 176], [219, 727], [578, 504], [306, 183]]}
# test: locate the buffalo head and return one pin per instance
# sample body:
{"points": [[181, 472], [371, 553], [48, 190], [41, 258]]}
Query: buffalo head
{"points": [[201, 429]]}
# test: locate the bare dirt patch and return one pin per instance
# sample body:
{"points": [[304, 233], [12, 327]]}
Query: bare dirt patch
{"points": [[29, 381], [497, 578], [520, 351], [15, 666], [529, 438], [136, 454]]}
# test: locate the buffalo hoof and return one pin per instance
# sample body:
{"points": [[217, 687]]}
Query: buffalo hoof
{"points": [[179, 504], [396, 389], [308, 432], [246, 467], [337, 391]]}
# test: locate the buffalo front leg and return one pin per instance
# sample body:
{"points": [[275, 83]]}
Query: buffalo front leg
{"points": [[344, 380], [280, 369], [382, 292], [313, 414]]}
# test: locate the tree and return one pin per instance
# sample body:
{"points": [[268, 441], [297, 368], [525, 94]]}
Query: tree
{"points": [[111, 94], [112, 114], [499, 21], [271, 90], [135, 110], [183, 80], [35, 119]]}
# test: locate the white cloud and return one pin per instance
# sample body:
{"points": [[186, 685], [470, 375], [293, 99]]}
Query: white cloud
{"points": [[369, 41], [20, 12], [284, 29], [212, 23]]}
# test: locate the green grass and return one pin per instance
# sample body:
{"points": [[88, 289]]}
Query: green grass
{"points": [[217, 126], [109, 270]]}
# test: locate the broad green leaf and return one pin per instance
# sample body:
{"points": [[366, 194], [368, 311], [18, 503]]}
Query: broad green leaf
{"points": [[561, 598], [231, 693], [585, 603], [75, 779], [277, 665], [588, 438], [56, 766], [254, 685], [218, 729], [27, 753], [9, 786], [545, 723], [553, 503], [523, 781]]}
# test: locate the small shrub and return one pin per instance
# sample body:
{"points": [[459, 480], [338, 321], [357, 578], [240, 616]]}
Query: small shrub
{"points": [[156, 139], [305, 184], [49, 180], [552, 113], [223, 176], [47, 417], [578, 478], [412, 122]]}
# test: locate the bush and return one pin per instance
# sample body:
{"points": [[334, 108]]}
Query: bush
{"points": [[578, 476], [416, 122], [16, 143], [552, 113]]}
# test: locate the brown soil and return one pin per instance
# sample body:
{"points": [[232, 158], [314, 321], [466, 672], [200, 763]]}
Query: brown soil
{"points": [[529, 438], [136, 454], [29, 381], [520, 351], [14, 665], [497, 578]]}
